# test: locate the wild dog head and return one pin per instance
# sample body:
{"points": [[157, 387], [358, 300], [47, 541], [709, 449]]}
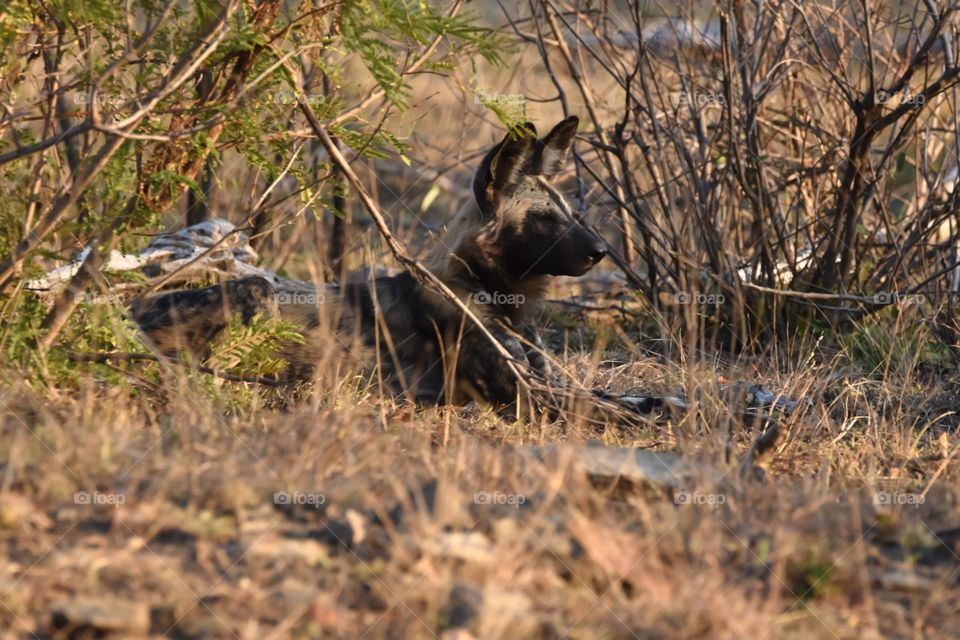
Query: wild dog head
{"points": [[526, 222]]}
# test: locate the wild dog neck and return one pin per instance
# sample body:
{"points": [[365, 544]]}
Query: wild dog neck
{"points": [[473, 259], [482, 269]]}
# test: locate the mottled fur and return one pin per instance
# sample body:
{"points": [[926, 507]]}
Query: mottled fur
{"points": [[498, 256]]}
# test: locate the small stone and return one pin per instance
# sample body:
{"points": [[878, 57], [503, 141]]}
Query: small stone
{"points": [[101, 616], [307, 551], [900, 580], [469, 546]]}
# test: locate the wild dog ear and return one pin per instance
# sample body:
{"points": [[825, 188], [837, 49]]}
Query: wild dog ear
{"points": [[553, 151], [504, 165], [515, 152]]}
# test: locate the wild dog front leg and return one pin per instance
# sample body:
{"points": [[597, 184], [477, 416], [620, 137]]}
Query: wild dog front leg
{"points": [[482, 372], [535, 350], [188, 320]]}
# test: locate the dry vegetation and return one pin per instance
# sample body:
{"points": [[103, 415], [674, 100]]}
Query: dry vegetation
{"points": [[761, 166]]}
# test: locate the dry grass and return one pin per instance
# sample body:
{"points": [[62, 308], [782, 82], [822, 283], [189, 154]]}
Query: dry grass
{"points": [[145, 498], [402, 546]]}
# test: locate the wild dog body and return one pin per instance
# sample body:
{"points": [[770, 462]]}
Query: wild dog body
{"points": [[498, 257]]}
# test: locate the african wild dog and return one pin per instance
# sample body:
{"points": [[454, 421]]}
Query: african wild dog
{"points": [[498, 256]]}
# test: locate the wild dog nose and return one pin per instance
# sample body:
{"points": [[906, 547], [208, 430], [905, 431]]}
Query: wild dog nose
{"points": [[598, 252]]}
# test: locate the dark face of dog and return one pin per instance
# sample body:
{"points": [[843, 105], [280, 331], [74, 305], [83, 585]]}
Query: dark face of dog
{"points": [[527, 220]]}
